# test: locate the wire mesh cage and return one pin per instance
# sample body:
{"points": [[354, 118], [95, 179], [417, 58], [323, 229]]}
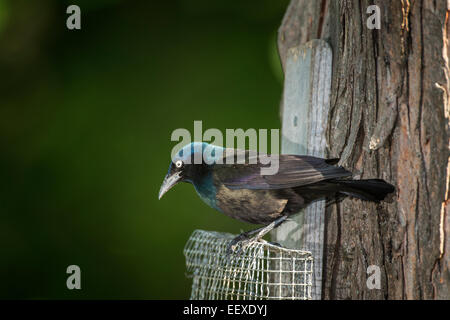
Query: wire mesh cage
{"points": [[261, 271]]}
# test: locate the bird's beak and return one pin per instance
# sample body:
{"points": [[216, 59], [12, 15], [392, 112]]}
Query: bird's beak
{"points": [[168, 183]]}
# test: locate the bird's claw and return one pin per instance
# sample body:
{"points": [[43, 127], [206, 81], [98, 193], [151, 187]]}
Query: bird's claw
{"points": [[233, 247], [246, 238], [239, 244]]}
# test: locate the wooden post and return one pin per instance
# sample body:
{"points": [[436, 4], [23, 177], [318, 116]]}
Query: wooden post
{"points": [[304, 122]]}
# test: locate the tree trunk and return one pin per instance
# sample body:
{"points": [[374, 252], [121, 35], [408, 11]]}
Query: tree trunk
{"points": [[389, 119]]}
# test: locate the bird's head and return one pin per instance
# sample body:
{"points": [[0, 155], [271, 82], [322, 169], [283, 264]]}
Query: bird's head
{"points": [[187, 165]]}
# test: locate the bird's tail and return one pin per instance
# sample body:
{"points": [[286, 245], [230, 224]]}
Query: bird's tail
{"points": [[371, 189]]}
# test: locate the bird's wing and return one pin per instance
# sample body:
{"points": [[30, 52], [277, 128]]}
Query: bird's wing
{"points": [[294, 171]]}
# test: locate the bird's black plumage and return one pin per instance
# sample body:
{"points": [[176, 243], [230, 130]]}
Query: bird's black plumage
{"points": [[241, 192], [293, 171]]}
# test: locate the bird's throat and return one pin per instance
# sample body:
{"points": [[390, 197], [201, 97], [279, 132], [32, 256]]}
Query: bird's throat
{"points": [[207, 191]]}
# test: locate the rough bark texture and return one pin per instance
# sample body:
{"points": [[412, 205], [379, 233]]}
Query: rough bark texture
{"points": [[389, 118]]}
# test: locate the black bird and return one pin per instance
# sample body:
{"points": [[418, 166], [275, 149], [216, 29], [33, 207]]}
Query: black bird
{"points": [[241, 192]]}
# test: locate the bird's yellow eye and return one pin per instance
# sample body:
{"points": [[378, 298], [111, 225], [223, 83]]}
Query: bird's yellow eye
{"points": [[179, 164]]}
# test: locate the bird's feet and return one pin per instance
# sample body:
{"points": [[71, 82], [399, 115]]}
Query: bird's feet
{"points": [[239, 243], [237, 246]]}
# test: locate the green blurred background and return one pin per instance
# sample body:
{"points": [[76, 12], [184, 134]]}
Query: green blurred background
{"points": [[85, 124]]}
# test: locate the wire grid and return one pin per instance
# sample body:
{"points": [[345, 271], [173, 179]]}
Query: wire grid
{"points": [[261, 271]]}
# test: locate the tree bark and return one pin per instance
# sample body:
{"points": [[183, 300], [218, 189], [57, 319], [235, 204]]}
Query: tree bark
{"points": [[389, 118]]}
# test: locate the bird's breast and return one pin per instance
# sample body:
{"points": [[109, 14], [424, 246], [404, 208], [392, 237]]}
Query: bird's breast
{"points": [[252, 206]]}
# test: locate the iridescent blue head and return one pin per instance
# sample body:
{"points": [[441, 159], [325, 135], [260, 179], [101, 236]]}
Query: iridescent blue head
{"points": [[190, 164]]}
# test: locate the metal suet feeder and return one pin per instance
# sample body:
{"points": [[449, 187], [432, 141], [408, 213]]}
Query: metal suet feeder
{"points": [[261, 271]]}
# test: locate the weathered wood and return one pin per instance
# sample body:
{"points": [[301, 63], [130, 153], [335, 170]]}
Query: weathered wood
{"points": [[389, 118], [306, 106]]}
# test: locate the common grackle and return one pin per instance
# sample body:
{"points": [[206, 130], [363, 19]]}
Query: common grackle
{"points": [[242, 192]]}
